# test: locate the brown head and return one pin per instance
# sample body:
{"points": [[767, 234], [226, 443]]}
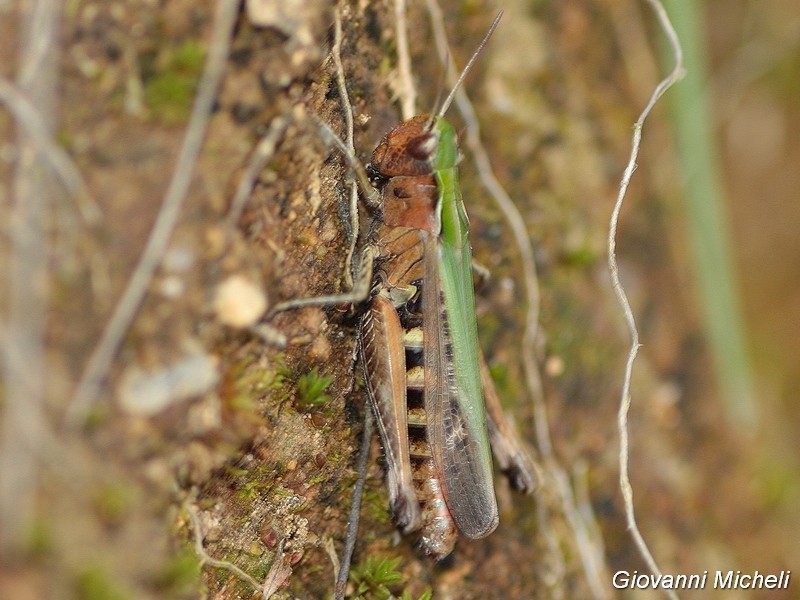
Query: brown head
{"points": [[401, 169], [406, 150]]}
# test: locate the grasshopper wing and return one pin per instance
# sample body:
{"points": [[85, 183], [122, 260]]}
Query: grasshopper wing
{"points": [[455, 416]]}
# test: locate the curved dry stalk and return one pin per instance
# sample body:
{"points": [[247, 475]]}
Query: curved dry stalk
{"points": [[625, 400], [330, 549], [89, 386], [205, 558], [262, 154], [23, 332], [408, 92], [349, 144], [32, 122], [355, 506]]}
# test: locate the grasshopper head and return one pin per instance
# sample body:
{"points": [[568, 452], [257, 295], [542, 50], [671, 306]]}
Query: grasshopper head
{"points": [[407, 150]]}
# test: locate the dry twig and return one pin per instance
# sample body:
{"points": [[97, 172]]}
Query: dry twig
{"points": [[625, 400], [348, 118], [408, 92], [355, 506], [207, 559], [24, 360]]}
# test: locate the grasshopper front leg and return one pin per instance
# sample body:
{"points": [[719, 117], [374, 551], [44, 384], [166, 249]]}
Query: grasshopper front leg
{"points": [[358, 294]]}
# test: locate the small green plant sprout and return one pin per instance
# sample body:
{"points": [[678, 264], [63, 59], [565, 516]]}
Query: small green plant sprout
{"points": [[311, 390], [376, 577]]}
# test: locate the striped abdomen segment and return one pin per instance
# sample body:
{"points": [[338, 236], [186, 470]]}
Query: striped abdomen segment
{"points": [[438, 534]]}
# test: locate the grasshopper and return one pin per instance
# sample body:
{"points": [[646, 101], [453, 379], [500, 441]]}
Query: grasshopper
{"points": [[418, 340]]}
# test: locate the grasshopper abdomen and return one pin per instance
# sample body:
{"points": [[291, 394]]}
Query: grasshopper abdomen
{"points": [[439, 533]]}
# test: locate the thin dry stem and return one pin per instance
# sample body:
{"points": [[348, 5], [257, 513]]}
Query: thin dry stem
{"points": [[554, 567], [207, 559], [625, 400], [263, 153], [24, 361], [330, 549], [348, 118], [33, 122], [408, 92], [355, 506], [591, 552], [580, 478], [279, 572], [90, 384], [590, 549]]}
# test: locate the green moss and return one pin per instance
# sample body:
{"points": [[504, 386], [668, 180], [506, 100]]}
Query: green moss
{"points": [[235, 472], [375, 578], [180, 575], [169, 92], [95, 583], [375, 504], [113, 502], [71, 8], [782, 77], [311, 390], [277, 382], [281, 373], [64, 138], [506, 388], [581, 257], [490, 325], [248, 380], [95, 418], [246, 404], [249, 490], [282, 492], [260, 569], [379, 579], [40, 538]]}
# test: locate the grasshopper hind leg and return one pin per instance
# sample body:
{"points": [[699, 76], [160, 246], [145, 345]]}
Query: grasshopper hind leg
{"points": [[383, 359], [511, 456]]}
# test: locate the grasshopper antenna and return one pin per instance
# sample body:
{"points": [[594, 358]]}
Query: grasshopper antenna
{"points": [[466, 69], [439, 88]]}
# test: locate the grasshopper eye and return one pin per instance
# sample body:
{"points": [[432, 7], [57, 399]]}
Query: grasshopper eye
{"points": [[375, 178], [422, 147]]}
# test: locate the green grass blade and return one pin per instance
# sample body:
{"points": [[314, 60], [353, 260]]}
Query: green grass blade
{"points": [[707, 219]]}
